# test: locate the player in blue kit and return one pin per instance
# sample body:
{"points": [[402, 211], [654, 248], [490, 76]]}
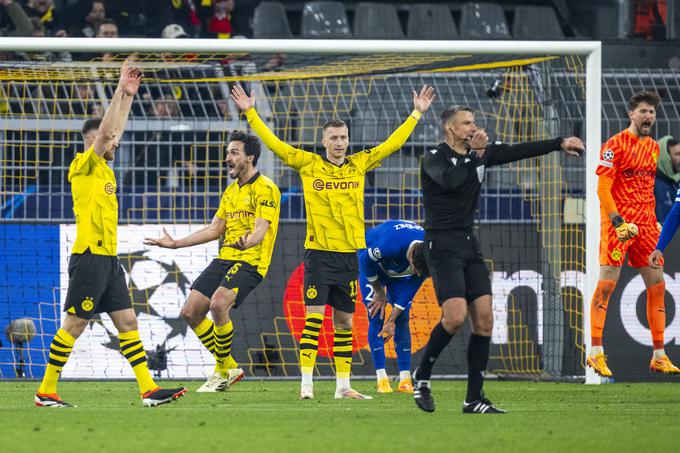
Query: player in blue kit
{"points": [[393, 260]]}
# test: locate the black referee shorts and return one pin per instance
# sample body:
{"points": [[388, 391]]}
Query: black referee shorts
{"points": [[238, 276], [96, 284], [331, 278], [457, 265]]}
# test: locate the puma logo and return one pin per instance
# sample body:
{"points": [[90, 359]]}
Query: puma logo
{"points": [[308, 355]]}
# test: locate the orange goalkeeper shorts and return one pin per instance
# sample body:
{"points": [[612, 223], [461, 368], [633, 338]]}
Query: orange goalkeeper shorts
{"points": [[613, 252]]}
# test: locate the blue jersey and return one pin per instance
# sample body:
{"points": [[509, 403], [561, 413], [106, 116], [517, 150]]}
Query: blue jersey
{"points": [[387, 246]]}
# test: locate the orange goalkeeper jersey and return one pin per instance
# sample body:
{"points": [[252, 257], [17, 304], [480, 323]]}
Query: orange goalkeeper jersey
{"points": [[631, 162]]}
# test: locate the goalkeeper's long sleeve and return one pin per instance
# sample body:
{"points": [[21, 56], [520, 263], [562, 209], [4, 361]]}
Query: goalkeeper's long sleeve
{"points": [[670, 226]]}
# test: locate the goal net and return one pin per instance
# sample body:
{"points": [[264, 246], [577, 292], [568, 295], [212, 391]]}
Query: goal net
{"points": [[170, 174]]}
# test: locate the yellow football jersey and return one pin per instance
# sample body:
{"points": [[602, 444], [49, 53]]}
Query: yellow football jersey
{"points": [[93, 186], [334, 194], [240, 206]]}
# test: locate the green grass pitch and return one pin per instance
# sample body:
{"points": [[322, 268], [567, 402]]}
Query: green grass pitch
{"points": [[266, 416]]}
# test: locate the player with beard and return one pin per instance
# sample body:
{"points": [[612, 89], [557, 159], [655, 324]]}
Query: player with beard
{"points": [[452, 174], [248, 217], [628, 222], [96, 278]]}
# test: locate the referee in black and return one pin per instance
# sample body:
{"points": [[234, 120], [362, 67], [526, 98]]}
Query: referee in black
{"points": [[452, 174]]}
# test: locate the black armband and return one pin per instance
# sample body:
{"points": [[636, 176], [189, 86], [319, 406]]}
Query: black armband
{"points": [[618, 221]]}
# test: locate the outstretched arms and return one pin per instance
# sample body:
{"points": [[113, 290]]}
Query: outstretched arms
{"points": [[207, 234]]}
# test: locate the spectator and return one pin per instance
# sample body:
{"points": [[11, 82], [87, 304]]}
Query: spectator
{"points": [[49, 15], [182, 12], [650, 19], [219, 25], [39, 31], [165, 107], [667, 176], [87, 26], [174, 31], [13, 20], [107, 29]]}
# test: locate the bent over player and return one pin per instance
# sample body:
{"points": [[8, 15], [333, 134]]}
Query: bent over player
{"points": [[452, 175], [393, 260], [249, 215], [628, 224], [96, 278], [333, 186]]}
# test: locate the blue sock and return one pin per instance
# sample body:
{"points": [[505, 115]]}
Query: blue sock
{"points": [[376, 343], [402, 341]]}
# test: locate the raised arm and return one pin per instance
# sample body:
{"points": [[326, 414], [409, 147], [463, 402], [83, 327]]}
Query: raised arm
{"points": [[421, 103], [116, 115], [207, 234], [503, 154], [291, 156]]}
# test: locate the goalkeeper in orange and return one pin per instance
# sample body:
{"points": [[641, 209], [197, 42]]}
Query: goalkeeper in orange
{"points": [[628, 225]]}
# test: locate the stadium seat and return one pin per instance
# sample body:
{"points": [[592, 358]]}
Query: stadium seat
{"points": [[270, 21], [377, 21], [431, 21], [536, 22], [483, 21], [325, 20]]}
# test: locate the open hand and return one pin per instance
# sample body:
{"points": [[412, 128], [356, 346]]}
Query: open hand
{"points": [[130, 79], [423, 100], [241, 99], [166, 241]]}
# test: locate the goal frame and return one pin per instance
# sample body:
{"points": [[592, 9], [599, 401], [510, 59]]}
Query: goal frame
{"points": [[591, 50]]}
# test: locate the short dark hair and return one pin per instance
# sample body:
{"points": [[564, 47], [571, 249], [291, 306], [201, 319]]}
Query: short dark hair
{"points": [[107, 21], [334, 123], [451, 110], [671, 143], [418, 259], [88, 125], [251, 145], [648, 97]]}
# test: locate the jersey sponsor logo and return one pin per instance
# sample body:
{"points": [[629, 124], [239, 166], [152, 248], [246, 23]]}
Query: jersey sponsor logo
{"points": [[631, 173], [311, 292], [608, 155], [320, 185], [87, 304], [268, 203], [109, 188], [240, 214], [410, 226]]}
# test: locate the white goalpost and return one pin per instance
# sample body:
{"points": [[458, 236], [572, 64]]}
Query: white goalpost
{"points": [[591, 51]]}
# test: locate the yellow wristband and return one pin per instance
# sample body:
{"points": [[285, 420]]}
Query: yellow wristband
{"points": [[416, 114]]}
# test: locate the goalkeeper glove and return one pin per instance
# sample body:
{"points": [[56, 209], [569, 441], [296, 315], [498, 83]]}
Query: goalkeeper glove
{"points": [[624, 231]]}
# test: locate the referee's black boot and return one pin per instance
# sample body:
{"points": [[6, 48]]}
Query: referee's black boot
{"points": [[481, 406], [422, 394]]}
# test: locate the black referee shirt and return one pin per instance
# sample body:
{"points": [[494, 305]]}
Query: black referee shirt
{"points": [[452, 182]]}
